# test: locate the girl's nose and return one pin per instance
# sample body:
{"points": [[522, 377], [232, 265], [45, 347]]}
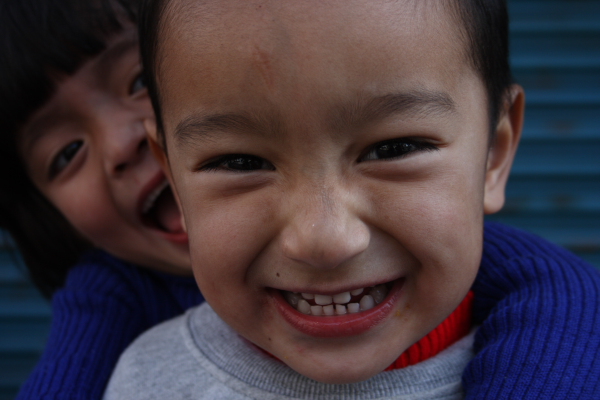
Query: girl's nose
{"points": [[324, 229], [124, 145]]}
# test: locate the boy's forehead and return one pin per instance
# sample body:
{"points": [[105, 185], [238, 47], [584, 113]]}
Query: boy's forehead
{"points": [[281, 46]]}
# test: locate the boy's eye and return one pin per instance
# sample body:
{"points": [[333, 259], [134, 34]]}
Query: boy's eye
{"points": [[64, 157], [396, 148], [138, 84], [238, 162]]}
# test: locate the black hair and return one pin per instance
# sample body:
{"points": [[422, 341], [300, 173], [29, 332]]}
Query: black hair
{"points": [[485, 24], [484, 28], [42, 42]]}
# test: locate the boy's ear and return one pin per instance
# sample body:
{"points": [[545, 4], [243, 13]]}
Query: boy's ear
{"points": [[155, 147], [161, 156], [503, 149]]}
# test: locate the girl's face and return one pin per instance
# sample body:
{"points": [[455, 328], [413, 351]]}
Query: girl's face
{"points": [[86, 151]]}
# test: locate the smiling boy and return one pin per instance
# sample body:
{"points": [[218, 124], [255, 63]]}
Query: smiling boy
{"points": [[333, 162], [328, 160]]}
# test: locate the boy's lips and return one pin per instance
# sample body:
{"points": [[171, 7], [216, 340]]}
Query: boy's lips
{"points": [[158, 210], [331, 320]]}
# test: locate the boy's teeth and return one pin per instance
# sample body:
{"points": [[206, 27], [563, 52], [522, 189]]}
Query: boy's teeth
{"points": [[304, 307], [338, 304], [353, 308], [322, 299], [366, 303], [293, 298], [149, 202], [342, 298], [378, 293]]}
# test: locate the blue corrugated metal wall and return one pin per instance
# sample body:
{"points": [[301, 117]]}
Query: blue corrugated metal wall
{"points": [[24, 322], [554, 189]]}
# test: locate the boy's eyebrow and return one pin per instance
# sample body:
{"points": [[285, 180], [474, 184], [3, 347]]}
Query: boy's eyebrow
{"points": [[202, 126], [415, 103]]}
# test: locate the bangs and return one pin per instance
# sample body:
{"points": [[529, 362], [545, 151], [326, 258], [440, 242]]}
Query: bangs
{"points": [[43, 40]]}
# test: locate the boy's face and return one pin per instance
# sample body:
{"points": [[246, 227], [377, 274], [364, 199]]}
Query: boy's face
{"points": [[86, 150], [323, 148]]}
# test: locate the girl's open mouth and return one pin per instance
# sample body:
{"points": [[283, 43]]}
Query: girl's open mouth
{"points": [[159, 210], [339, 315]]}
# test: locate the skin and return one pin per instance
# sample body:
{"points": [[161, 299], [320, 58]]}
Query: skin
{"points": [[310, 201], [86, 151]]}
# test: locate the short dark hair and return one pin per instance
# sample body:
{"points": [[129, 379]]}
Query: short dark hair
{"points": [[485, 24], [484, 28], [42, 42]]}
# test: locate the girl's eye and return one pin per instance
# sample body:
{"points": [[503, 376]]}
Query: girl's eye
{"points": [[64, 157], [238, 163], [138, 84], [396, 148]]}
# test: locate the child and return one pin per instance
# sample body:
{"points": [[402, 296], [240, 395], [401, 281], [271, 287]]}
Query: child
{"points": [[77, 173], [333, 162]]}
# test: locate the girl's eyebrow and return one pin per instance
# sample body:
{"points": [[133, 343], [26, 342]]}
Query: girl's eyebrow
{"points": [[46, 119], [106, 59], [37, 128]]}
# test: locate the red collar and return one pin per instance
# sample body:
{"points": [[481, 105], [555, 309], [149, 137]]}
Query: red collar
{"points": [[453, 328]]}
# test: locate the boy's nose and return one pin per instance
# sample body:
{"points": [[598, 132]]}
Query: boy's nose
{"points": [[124, 145], [323, 229]]}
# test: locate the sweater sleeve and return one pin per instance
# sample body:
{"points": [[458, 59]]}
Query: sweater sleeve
{"points": [[96, 316], [540, 330]]}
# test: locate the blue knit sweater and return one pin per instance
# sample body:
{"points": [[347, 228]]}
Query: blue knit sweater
{"points": [[536, 304]]}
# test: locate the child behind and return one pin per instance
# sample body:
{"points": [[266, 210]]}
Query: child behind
{"points": [[347, 153], [77, 174]]}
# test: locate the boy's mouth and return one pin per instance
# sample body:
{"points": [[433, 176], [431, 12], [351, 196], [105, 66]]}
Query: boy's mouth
{"points": [[350, 302], [160, 211], [323, 315]]}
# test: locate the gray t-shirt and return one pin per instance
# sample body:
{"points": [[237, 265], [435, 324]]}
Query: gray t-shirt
{"points": [[198, 356]]}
